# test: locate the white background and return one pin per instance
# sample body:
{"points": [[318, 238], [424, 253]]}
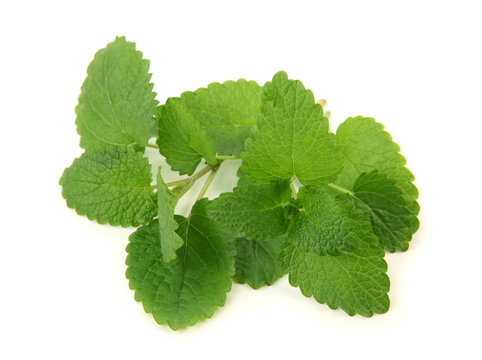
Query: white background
{"points": [[414, 66]]}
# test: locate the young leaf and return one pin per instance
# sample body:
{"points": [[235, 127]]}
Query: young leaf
{"points": [[227, 112], [253, 211], [382, 203], [365, 147], [327, 224], [256, 261], [355, 281], [181, 139], [292, 138], [192, 286], [116, 103], [170, 241], [112, 186]]}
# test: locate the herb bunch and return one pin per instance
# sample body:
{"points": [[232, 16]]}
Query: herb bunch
{"points": [[355, 198]]}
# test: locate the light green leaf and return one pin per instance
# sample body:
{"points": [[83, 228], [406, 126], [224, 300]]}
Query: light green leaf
{"points": [[170, 241], [190, 287], [111, 186], [253, 211], [292, 138], [181, 139], [271, 88], [116, 103], [355, 281], [365, 147], [327, 224], [227, 112], [257, 261], [382, 203]]}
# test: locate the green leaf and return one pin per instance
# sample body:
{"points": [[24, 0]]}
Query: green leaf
{"points": [[253, 211], [271, 88], [327, 224], [170, 241], [181, 139], [111, 186], [292, 138], [257, 261], [242, 180], [355, 281], [382, 203], [227, 112], [365, 147], [192, 286], [116, 103]]}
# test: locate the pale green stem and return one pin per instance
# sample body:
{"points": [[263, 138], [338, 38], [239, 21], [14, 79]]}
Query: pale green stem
{"points": [[208, 182], [191, 179], [205, 171], [342, 189], [177, 182], [154, 146], [183, 188]]}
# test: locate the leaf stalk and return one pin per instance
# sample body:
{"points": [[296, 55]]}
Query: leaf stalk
{"points": [[208, 182]]}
